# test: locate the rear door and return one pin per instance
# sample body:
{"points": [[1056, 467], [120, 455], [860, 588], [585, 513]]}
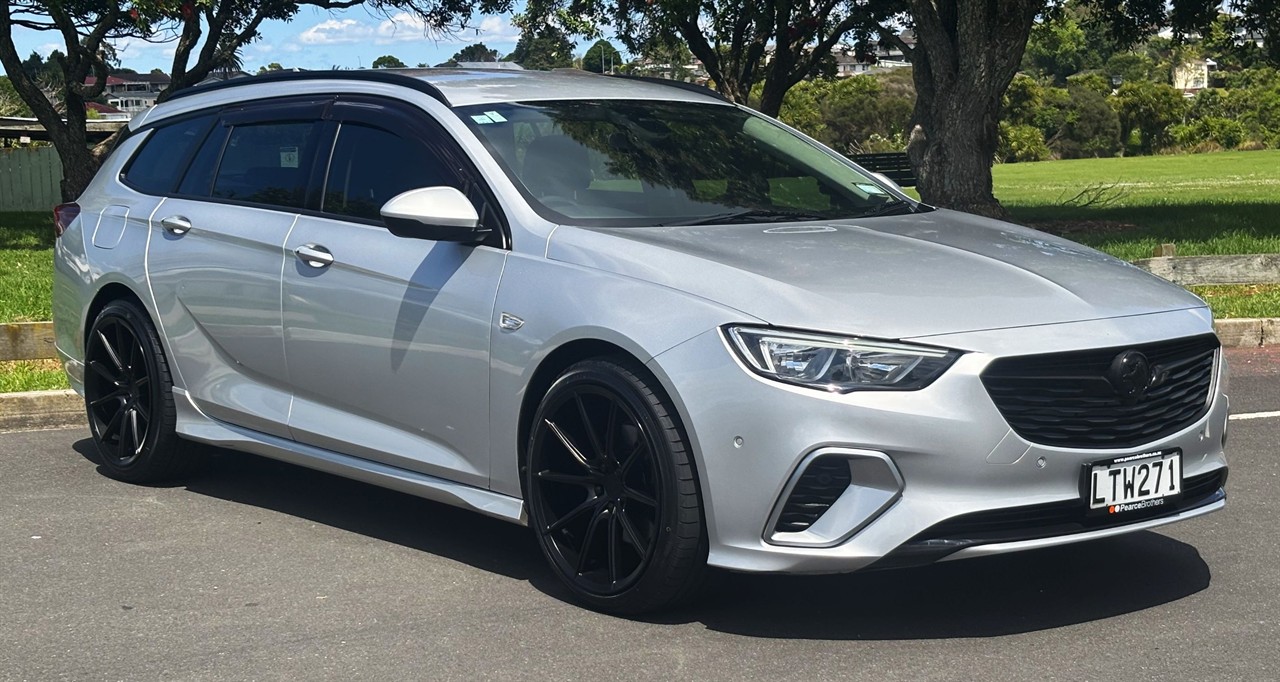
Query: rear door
{"points": [[387, 338], [216, 254]]}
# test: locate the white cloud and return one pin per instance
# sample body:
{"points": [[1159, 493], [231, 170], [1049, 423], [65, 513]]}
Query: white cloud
{"points": [[405, 27], [336, 32]]}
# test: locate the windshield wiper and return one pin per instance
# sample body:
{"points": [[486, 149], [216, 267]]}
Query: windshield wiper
{"points": [[895, 207], [749, 215]]}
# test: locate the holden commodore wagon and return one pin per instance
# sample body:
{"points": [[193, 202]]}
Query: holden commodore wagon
{"points": [[663, 331]]}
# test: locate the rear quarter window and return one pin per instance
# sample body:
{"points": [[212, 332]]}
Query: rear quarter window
{"points": [[160, 162]]}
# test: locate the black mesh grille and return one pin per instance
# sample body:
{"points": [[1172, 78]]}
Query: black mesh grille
{"points": [[819, 486], [1065, 399]]}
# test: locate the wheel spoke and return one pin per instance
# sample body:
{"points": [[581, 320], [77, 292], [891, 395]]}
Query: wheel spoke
{"points": [[111, 428], [102, 370], [568, 444], [632, 457], [610, 426], [613, 546], [134, 438], [586, 426], [636, 495], [629, 531], [111, 352], [590, 503], [117, 394], [570, 479], [587, 537]]}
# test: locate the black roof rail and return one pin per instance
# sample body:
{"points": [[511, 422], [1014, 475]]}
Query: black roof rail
{"points": [[374, 75], [691, 87]]}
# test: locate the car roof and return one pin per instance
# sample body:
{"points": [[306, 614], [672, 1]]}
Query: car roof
{"points": [[465, 87]]}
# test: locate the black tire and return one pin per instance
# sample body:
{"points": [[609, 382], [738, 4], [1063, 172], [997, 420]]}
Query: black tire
{"points": [[613, 496], [129, 398]]}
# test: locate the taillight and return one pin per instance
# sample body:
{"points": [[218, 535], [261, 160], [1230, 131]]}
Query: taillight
{"points": [[63, 214]]}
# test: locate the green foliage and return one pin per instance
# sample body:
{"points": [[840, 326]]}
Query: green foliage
{"points": [[478, 52], [1057, 48], [1225, 132], [1090, 127], [273, 66], [387, 61], [1148, 109], [1021, 143], [853, 115], [26, 266], [602, 57], [10, 103], [543, 47]]}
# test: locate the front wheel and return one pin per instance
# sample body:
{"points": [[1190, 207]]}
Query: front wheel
{"points": [[612, 493]]}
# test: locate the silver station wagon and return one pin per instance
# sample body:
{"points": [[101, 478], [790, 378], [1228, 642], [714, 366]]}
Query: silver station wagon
{"points": [[663, 331]]}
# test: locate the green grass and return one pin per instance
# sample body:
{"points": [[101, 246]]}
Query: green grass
{"points": [[1241, 300], [1205, 204], [31, 375], [26, 266]]}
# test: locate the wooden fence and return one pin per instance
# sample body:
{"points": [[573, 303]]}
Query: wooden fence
{"points": [[29, 179]]}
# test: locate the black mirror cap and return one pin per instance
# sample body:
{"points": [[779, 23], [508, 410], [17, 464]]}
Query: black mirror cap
{"points": [[407, 228]]}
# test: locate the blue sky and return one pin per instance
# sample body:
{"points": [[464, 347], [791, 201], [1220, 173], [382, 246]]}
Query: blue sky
{"points": [[320, 39]]}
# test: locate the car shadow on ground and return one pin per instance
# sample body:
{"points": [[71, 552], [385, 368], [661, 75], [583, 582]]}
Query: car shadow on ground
{"points": [[1003, 595]]}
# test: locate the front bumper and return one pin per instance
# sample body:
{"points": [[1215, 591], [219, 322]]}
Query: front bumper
{"points": [[948, 447]]}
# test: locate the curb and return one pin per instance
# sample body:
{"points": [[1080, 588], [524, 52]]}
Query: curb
{"points": [[1248, 332], [40, 410]]}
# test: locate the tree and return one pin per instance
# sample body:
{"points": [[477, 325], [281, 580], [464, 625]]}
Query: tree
{"points": [[543, 47], [474, 53], [602, 57], [387, 61], [204, 34], [739, 42], [1149, 109], [10, 103], [273, 66]]}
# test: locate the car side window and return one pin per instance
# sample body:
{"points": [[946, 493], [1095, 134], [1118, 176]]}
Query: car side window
{"points": [[155, 168], [267, 163], [371, 165]]}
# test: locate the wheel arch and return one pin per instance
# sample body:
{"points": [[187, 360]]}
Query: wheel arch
{"points": [[112, 291]]}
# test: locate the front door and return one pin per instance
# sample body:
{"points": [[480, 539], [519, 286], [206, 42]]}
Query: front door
{"points": [[387, 339]]}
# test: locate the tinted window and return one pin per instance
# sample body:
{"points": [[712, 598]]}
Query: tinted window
{"points": [[371, 165], [200, 171], [158, 164], [267, 163], [635, 163]]}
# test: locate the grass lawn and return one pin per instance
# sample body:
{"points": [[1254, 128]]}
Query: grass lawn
{"points": [[26, 266], [1205, 204]]}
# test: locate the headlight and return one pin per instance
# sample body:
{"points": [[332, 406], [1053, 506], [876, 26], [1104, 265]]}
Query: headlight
{"points": [[838, 363]]}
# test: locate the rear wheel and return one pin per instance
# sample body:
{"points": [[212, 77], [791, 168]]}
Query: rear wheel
{"points": [[611, 488], [129, 399]]}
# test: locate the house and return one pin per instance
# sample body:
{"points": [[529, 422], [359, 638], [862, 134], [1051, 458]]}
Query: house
{"points": [[106, 112], [134, 92], [1193, 75]]}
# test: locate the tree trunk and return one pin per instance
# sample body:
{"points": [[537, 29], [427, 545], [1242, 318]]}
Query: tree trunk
{"points": [[967, 54]]}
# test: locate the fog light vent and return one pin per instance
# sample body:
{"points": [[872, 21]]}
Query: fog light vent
{"points": [[818, 488]]}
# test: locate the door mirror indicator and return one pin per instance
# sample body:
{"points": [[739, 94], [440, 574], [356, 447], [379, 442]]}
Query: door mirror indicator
{"points": [[435, 213]]}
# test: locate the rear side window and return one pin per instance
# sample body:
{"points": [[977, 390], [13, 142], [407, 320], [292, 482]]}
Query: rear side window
{"points": [[371, 165], [158, 164], [267, 163]]}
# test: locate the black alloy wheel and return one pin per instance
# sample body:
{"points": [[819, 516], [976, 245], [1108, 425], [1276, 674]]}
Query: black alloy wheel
{"points": [[611, 490], [128, 397]]}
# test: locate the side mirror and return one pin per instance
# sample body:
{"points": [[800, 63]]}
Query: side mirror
{"points": [[441, 214]]}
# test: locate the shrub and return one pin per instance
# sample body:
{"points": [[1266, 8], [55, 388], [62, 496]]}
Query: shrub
{"points": [[1021, 143]]}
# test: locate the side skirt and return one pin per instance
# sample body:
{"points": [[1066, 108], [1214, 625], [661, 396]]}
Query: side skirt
{"points": [[195, 425]]}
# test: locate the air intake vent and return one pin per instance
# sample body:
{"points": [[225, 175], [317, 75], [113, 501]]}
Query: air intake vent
{"points": [[1073, 400], [818, 488]]}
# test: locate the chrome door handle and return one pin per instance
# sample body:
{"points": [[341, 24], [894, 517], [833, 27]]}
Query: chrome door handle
{"points": [[314, 255], [176, 224]]}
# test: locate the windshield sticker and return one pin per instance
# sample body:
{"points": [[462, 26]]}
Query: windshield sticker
{"points": [[288, 157], [482, 119], [495, 117], [870, 189]]}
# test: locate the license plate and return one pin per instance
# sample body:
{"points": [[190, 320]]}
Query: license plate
{"points": [[1135, 482]]}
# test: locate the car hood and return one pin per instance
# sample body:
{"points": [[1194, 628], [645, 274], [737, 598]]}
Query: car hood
{"points": [[894, 277]]}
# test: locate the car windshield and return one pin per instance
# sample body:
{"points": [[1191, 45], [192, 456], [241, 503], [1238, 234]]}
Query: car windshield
{"points": [[641, 163]]}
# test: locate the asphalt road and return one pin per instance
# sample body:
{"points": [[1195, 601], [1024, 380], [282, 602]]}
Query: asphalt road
{"points": [[260, 570]]}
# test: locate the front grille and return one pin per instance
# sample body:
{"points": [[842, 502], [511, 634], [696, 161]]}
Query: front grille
{"points": [[1039, 521], [819, 486], [1065, 399]]}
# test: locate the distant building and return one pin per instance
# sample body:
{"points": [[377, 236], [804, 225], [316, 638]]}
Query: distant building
{"points": [[1194, 75], [132, 93], [106, 112]]}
